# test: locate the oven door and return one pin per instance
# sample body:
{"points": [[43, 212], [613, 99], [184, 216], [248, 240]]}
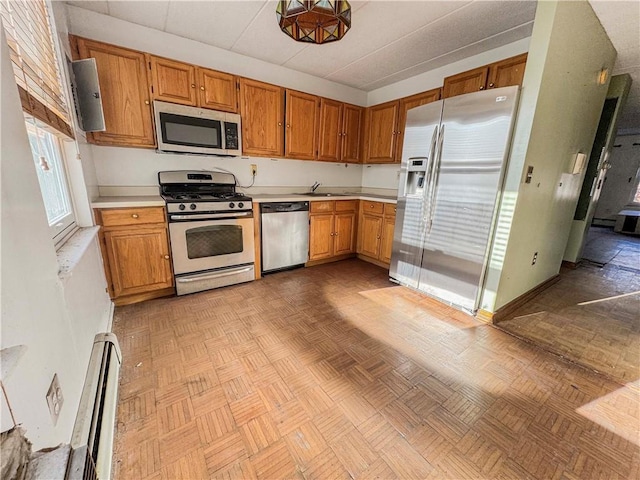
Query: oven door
{"points": [[209, 244]]}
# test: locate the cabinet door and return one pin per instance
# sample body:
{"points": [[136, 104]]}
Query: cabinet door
{"points": [[406, 104], [302, 126], [330, 135], [217, 90], [344, 230], [138, 260], [370, 230], [173, 81], [465, 82], [351, 133], [507, 72], [386, 244], [124, 86], [262, 110], [382, 132], [320, 236]]}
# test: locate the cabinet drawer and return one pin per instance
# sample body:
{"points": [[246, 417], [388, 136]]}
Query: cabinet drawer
{"points": [[372, 207], [346, 205], [390, 209], [321, 207], [132, 216]]}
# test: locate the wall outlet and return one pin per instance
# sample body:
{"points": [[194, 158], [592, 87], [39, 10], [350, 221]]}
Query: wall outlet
{"points": [[55, 399], [254, 169], [534, 259]]}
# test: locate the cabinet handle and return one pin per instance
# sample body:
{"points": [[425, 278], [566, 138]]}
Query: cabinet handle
{"points": [[146, 102], [166, 257], [202, 88], [344, 133], [335, 234], [378, 237], [279, 124], [135, 215], [370, 206], [481, 87], [288, 126], [193, 85], [491, 85]]}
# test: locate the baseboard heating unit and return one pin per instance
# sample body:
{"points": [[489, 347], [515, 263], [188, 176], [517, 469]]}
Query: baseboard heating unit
{"points": [[94, 430]]}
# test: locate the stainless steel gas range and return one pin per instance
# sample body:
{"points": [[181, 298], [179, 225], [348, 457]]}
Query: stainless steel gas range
{"points": [[210, 228]]}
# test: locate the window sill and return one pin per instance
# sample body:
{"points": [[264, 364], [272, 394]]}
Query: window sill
{"points": [[70, 254]]}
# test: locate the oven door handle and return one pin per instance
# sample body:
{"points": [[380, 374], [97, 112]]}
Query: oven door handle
{"points": [[211, 276], [211, 216]]}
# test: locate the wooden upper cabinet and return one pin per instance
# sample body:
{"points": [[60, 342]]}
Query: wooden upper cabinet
{"points": [[352, 121], [407, 104], [262, 111], [507, 72], [217, 90], [124, 86], [500, 74], [465, 82], [173, 81], [301, 125], [330, 131], [382, 132]]}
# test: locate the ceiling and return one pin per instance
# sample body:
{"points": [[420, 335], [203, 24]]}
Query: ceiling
{"points": [[389, 40]]}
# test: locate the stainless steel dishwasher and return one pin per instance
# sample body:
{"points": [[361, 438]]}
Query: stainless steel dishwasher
{"points": [[285, 235]]}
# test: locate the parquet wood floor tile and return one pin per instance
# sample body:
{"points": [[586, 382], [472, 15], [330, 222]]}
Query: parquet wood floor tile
{"points": [[332, 372]]}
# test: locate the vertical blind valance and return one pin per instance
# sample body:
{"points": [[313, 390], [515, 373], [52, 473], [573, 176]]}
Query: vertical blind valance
{"points": [[29, 36]]}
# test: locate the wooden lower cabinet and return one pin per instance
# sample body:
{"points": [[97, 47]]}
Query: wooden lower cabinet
{"points": [[135, 253], [332, 229], [375, 232]]}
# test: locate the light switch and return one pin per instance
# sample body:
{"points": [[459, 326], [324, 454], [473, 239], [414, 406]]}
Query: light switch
{"points": [[579, 163]]}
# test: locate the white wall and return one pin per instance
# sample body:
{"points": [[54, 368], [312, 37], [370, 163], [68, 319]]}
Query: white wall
{"points": [[132, 167], [558, 117], [56, 320], [621, 178]]}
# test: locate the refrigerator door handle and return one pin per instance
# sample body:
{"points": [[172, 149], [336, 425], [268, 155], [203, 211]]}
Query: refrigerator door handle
{"points": [[435, 176], [428, 180]]}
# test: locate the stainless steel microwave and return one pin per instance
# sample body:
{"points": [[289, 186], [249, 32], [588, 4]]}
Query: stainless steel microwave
{"points": [[184, 129]]}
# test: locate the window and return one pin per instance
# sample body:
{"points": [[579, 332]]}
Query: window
{"points": [[50, 167], [37, 71]]}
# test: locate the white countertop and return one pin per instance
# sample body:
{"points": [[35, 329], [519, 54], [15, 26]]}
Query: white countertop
{"points": [[128, 201], [157, 201], [288, 197]]}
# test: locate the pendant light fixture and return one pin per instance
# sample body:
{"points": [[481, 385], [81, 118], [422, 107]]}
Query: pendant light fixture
{"points": [[314, 21]]}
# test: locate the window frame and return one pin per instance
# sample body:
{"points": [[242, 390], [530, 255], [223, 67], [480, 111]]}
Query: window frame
{"points": [[62, 228]]}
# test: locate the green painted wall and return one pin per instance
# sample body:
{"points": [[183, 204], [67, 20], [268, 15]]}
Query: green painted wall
{"points": [[558, 116]]}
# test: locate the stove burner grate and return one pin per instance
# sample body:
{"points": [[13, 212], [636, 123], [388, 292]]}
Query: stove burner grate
{"points": [[187, 196]]}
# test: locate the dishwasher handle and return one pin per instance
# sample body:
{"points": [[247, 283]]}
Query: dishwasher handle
{"points": [[281, 207]]}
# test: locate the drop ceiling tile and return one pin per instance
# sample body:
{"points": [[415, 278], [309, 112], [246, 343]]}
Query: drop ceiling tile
{"points": [[97, 6], [217, 23], [265, 41], [474, 24], [374, 26], [151, 14]]}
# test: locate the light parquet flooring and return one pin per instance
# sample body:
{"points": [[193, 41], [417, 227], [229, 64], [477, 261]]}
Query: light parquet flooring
{"points": [[333, 372], [604, 335]]}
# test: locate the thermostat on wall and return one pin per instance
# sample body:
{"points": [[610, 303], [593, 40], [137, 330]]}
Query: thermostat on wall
{"points": [[579, 163]]}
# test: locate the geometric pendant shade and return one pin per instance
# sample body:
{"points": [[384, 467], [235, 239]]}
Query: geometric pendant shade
{"points": [[315, 21]]}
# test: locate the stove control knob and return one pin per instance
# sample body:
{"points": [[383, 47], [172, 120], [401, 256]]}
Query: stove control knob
{"points": [[241, 205], [181, 206], [232, 205], [192, 206]]}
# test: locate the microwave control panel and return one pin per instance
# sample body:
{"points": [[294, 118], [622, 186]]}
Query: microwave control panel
{"points": [[231, 136]]}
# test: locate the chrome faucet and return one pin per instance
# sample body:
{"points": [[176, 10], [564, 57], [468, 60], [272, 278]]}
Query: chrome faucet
{"points": [[315, 186]]}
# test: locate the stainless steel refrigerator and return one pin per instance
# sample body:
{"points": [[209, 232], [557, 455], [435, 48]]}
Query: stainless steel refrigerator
{"points": [[453, 162]]}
